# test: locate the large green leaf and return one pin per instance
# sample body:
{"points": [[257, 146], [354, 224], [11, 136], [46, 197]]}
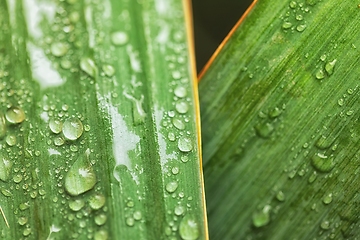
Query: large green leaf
{"points": [[281, 126], [98, 121]]}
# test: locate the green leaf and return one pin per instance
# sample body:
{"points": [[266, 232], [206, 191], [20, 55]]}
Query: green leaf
{"points": [[98, 121], [281, 126]]}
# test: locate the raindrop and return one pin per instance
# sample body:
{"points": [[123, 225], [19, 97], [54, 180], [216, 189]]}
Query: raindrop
{"points": [[137, 215], [280, 196], [59, 141], [96, 202], [119, 38], [175, 170], [327, 199], [275, 113], [287, 25], [320, 74], [178, 123], [188, 228], [108, 70], [171, 187], [55, 125], [325, 225], [59, 49], [179, 210], [88, 65], [182, 107], [130, 221], [15, 115], [5, 168], [322, 162], [262, 218], [341, 102], [180, 91], [22, 220], [301, 27], [10, 140], [264, 130], [81, 176], [100, 219], [171, 136], [329, 67], [324, 142], [2, 126], [76, 205], [72, 128], [101, 235], [292, 4], [185, 144]]}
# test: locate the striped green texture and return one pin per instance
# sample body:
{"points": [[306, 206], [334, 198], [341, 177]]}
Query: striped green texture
{"points": [[280, 119], [98, 121]]}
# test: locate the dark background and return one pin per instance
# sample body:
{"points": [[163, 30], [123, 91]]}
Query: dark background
{"points": [[213, 19]]}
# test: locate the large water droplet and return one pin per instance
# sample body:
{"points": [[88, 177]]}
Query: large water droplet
{"points": [[88, 65], [55, 126], [188, 228], [5, 168], [329, 67], [101, 235], [178, 123], [72, 128], [262, 217], [180, 91], [264, 130], [185, 144], [119, 38], [76, 205], [81, 176], [171, 187], [96, 202], [59, 49], [322, 162], [179, 210], [100, 219], [182, 107], [15, 115]]}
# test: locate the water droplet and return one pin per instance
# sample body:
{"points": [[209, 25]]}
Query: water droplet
{"points": [[320, 74], [22, 220], [10, 140], [264, 130], [119, 38], [55, 126], [101, 235], [65, 64], [324, 142], [76, 205], [137, 215], [59, 141], [130, 221], [182, 107], [179, 210], [184, 159], [280, 196], [72, 128], [171, 136], [301, 27], [299, 17], [27, 232], [287, 25], [171, 187], [15, 115], [322, 163], [88, 65], [6, 192], [80, 177], [261, 218], [341, 102], [275, 113], [175, 170], [180, 91], [327, 199], [2, 126], [108, 70], [185, 144], [5, 168], [100, 219], [179, 124], [292, 4], [59, 49], [312, 177], [323, 57], [329, 67], [96, 202], [188, 228], [325, 225]]}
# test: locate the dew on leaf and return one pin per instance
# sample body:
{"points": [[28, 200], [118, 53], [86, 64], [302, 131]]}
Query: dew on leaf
{"points": [[72, 128], [15, 115]]}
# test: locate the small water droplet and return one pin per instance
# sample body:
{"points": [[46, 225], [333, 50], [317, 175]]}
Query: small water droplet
{"points": [[320, 74], [185, 144], [76, 205], [327, 199], [97, 201], [182, 107], [324, 142], [72, 128], [88, 65], [171, 136], [312, 177], [275, 113], [100, 219], [264, 130], [59, 141], [10, 140], [292, 4], [329, 67], [130, 221], [299, 17], [178, 123], [188, 228], [287, 25], [301, 27], [27, 232], [280, 196], [55, 126], [262, 217], [119, 38], [108, 70], [171, 187], [322, 162], [2, 126], [22, 220], [184, 159], [65, 64], [59, 49], [137, 215], [175, 170], [6, 192], [80, 177], [15, 115], [5, 168], [325, 225], [179, 210], [341, 102]]}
